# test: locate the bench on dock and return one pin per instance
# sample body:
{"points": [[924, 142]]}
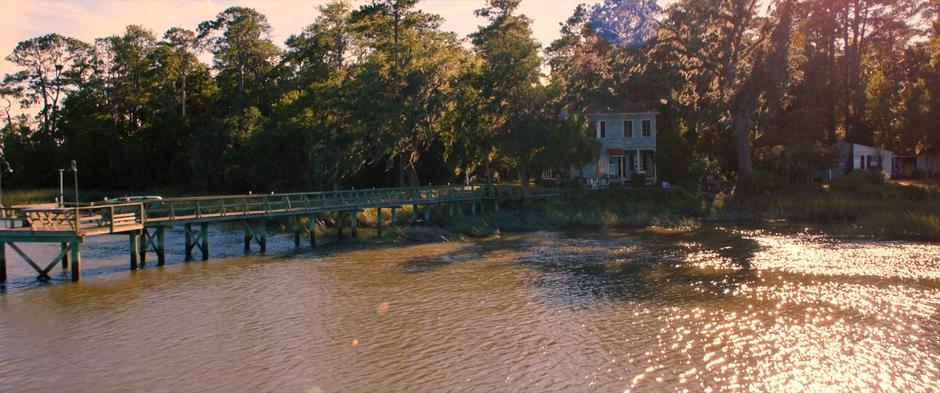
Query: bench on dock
{"points": [[86, 219]]}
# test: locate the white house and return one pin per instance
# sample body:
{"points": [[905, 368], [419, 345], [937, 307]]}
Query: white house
{"points": [[627, 137]]}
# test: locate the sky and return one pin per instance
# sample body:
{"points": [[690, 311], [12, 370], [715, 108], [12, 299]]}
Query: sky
{"points": [[87, 20]]}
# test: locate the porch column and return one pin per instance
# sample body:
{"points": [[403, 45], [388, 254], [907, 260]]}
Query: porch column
{"points": [[653, 161], [639, 161]]}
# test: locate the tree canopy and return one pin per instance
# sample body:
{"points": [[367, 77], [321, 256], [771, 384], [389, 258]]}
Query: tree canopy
{"points": [[380, 95]]}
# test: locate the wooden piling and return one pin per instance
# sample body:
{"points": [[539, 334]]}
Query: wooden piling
{"points": [[427, 214], [378, 221], [262, 235], [65, 258], [450, 210], [134, 240], [394, 216], [473, 207], [312, 227], [353, 224], [414, 214], [204, 235], [339, 226], [3, 261], [76, 261], [161, 247], [248, 237], [188, 230]]}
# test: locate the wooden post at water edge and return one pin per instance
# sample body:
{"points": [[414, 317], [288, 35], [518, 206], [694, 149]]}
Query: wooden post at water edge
{"points": [[3, 262]]}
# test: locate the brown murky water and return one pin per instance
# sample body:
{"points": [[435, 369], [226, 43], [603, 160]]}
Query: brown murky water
{"points": [[721, 310]]}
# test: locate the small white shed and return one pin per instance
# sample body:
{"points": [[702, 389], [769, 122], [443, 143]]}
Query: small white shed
{"points": [[854, 156]]}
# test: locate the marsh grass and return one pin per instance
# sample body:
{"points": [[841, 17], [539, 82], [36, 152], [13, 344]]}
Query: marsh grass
{"points": [[856, 205]]}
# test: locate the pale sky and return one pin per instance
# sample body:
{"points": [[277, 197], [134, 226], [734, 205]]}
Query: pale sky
{"points": [[87, 20]]}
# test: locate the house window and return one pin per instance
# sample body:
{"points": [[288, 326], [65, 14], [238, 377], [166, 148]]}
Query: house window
{"points": [[647, 128], [602, 129], [627, 129]]}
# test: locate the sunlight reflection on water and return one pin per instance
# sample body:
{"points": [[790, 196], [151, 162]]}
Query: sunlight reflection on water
{"points": [[718, 310]]}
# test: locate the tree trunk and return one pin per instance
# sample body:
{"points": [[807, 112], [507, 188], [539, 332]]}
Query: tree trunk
{"points": [[489, 172], [523, 183], [184, 93], [408, 175], [742, 139]]}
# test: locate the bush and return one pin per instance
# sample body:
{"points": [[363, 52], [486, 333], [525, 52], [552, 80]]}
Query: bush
{"points": [[858, 180], [760, 181], [638, 180]]}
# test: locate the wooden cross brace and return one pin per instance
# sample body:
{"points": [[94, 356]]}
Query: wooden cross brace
{"points": [[153, 241], [259, 235], [43, 273]]}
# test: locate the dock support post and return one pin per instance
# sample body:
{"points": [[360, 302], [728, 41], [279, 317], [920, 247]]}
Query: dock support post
{"points": [[65, 258], [473, 207], [263, 233], [161, 247], [450, 210], [394, 215], [188, 230], [312, 227], [296, 228], [3, 261], [427, 214], [134, 238], [353, 224], [414, 214], [76, 261], [248, 237], [204, 235], [340, 218], [378, 221]]}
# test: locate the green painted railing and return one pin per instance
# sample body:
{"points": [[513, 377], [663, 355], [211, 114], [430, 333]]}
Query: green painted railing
{"points": [[110, 217]]}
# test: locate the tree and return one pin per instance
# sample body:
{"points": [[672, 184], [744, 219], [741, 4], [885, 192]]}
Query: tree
{"points": [[400, 91], [243, 56], [507, 83], [48, 63], [716, 49], [321, 49], [177, 57]]}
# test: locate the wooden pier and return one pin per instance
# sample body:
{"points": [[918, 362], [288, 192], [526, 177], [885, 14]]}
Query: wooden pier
{"points": [[145, 223]]}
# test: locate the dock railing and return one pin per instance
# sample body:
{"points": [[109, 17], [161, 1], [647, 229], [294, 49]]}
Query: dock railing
{"points": [[109, 218], [117, 217], [197, 208]]}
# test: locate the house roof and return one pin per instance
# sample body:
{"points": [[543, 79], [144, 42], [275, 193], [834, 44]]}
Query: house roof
{"points": [[845, 142], [630, 107]]}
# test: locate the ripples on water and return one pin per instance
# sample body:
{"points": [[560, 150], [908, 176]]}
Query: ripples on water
{"points": [[719, 310]]}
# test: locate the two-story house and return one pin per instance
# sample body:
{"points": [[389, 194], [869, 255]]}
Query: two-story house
{"points": [[627, 138]]}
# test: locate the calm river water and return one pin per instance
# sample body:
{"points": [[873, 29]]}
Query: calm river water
{"points": [[720, 310]]}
